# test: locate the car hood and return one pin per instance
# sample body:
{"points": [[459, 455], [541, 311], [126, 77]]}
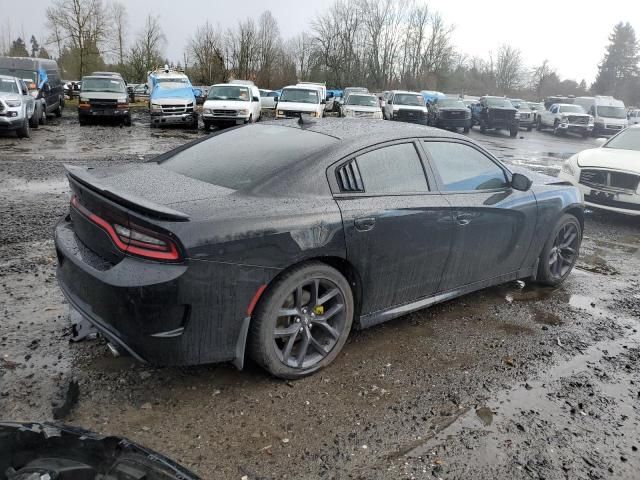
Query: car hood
{"points": [[298, 107], [226, 104], [610, 158], [9, 96], [102, 95], [44, 450]]}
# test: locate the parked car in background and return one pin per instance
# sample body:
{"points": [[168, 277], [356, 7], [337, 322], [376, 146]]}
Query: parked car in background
{"points": [[315, 228], [298, 100], [566, 117], [43, 80], [104, 98], [231, 104], [536, 109], [322, 89], [449, 113], [634, 117], [269, 99], [406, 106], [609, 115], [361, 105], [349, 90], [609, 176], [172, 100], [526, 115], [497, 113], [72, 88], [17, 107]]}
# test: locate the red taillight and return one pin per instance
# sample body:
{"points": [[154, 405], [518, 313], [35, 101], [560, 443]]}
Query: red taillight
{"points": [[133, 239]]}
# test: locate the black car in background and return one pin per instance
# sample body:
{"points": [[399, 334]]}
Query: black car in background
{"points": [[278, 238], [449, 113], [496, 113]]}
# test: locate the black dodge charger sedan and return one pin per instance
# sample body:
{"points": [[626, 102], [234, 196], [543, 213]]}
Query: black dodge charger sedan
{"points": [[276, 239]]}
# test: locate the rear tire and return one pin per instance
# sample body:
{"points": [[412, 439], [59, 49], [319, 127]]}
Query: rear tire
{"points": [[58, 110], [43, 115], [529, 128], [483, 126], [311, 335], [466, 129], [207, 126], [513, 132], [560, 252], [127, 121], [34, 120], [539, 125]]}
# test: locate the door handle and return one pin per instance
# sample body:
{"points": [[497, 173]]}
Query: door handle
{"points": [[364, 224], [464, 218]]}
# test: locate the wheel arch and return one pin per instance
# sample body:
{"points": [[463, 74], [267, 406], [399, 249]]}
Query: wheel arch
{"points": [[577, 212]]}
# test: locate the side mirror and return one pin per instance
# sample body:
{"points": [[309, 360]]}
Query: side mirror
{"points": [[601, 141], [255, 99], [275, 99], [520, 182]]}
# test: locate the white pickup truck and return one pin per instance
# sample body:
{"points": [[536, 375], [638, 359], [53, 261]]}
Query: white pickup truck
{"points": [[17, 107], [566, 117]]}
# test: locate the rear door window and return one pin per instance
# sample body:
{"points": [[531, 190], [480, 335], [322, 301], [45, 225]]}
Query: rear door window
{"points": [[392, 169], [462, 168]]}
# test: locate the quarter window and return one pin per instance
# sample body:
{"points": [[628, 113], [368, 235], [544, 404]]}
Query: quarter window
{"points": [[463, 168], [392, 169]]}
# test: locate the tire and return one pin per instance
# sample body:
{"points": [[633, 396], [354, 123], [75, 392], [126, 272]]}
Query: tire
{"points": [[529, 128], [34, 120], [43, 115], [556, 131], [539, 125], [514, 132], [586, 134], [24, 131], [58, 110], [483, 126], [270, 351], [207, 126], [466, 129], [127, 121], [553, 274]]}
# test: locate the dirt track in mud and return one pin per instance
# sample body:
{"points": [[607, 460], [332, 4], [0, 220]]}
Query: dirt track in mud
{"points": [[512, 382]]}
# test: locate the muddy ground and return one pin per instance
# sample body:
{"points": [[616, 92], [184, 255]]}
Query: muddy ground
{"points": [[512, 382]]}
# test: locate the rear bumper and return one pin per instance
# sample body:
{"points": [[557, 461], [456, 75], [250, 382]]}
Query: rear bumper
{"points": [[163, 314]]}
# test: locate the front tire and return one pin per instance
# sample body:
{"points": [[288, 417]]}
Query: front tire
{"points": [[483, 126], [560, 252], [58, 111], [302, 321], [24, 131], [513, 132], [539, 125], [466, 129], [35, 118]]}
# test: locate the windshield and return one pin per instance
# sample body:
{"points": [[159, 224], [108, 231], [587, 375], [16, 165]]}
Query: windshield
{"points": [[499, 102], [299, 95], [172, 83], [229, 92], [520, 104], [611, 112], [626, 140], [246, 157], [571, 109], [26, 75], [8, 86], [103, 85], [450, 103], [362, 100], [408, 99]]}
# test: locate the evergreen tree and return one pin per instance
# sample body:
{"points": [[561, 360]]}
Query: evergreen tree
{"points": [[35, 46], [18, 48], [620, 63]]}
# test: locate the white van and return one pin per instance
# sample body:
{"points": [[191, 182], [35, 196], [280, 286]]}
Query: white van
{"points": [[231, 103], [634, 117], [300, 99], [610, 115]]}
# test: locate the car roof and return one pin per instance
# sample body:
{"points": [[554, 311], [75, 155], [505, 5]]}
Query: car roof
{"points": [[407, 91]]}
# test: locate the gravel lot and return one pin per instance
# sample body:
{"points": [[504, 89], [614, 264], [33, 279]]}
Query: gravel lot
{"points": [[512, 382]]}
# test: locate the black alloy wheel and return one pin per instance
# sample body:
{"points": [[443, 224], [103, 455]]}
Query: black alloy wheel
{"points": [[560, 252], [302, 322]]}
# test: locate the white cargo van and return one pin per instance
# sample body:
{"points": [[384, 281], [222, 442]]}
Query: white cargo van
{"points": [[296, 100], [232, 103], [610, 115]]}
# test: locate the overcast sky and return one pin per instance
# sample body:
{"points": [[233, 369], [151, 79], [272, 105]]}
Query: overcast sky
{"points": [[572, 34]]}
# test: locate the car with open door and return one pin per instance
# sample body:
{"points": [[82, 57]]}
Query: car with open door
{"points": [[276, 239]]}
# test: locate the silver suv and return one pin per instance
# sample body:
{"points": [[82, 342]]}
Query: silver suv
{"points": [[17, 107]]}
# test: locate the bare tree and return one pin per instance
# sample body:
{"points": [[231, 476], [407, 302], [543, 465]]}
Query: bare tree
{"points": [[207, 49], [508, 69], [300, 48], [243, 49], [270, 47], [81, 23], [117, 13], [146, 53]]}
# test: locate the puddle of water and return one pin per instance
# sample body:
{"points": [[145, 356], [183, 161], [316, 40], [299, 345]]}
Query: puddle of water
{"points": [[54, 187], [595, 264], [485, 414]]}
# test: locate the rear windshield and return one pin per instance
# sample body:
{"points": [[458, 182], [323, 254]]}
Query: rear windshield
{"points": [[243, 157]]}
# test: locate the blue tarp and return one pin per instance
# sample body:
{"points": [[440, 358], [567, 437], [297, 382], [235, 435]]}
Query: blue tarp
{"points": [[42, 74], [159, 92]]}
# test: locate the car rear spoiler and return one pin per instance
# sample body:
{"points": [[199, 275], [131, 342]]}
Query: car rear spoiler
{"points": [[133, 202]]}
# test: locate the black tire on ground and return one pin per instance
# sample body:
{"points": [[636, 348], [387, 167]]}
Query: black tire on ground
{"points": [[586, 134], [24, 131], [563, 246], [58, 111], [207, 126], [483, 126], [34, 120], [43, 115], [127, 121], [539, 125], [529, 128], [262, 344], [466, 129], [513, 132]]}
